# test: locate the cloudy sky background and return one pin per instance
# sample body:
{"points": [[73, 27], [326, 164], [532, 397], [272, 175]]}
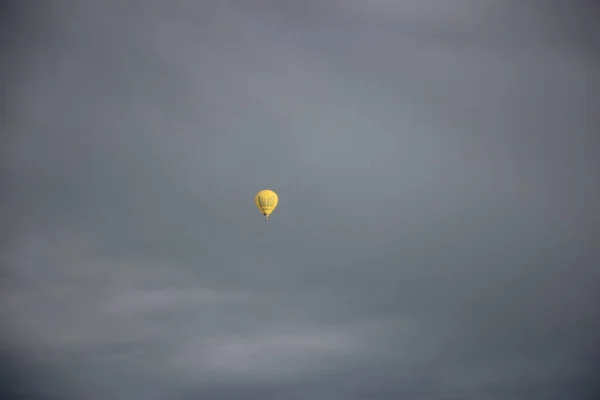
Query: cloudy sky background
{"points": [[437, 233]]}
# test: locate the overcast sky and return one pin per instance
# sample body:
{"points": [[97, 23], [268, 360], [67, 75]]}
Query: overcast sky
{"points": [[438, 174]]}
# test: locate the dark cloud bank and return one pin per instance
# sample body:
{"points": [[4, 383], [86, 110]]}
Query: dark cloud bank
{"points": [[436, 162]]}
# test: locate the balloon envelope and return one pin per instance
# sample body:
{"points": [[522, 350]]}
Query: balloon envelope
{"points": [[266, 201]]}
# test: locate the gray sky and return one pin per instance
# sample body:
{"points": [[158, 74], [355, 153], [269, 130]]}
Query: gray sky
{"points": [[436, 236]]}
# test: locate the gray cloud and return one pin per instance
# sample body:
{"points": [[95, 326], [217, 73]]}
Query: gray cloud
{"points": [[436, 166]]}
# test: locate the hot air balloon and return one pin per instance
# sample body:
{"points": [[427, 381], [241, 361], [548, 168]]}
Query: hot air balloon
{"points": [[266, 201]]}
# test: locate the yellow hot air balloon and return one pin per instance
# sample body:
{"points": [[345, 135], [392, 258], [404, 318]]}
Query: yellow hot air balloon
{"points": [[266, 201]]}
